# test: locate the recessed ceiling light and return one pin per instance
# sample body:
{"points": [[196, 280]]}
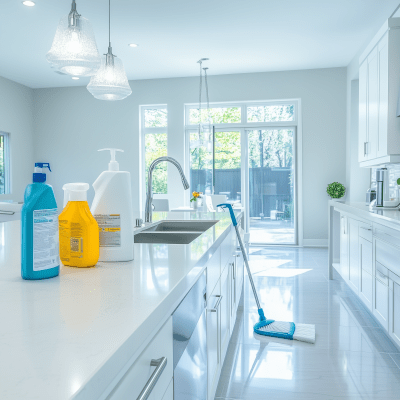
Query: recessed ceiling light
{"points": [[28, 3], [75, 78], [133, 45]]}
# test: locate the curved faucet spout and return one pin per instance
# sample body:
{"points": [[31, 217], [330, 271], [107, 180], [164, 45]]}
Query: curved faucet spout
{"points": [[149, 195]]}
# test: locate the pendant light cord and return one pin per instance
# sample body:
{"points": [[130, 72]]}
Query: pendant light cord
{"points": [[208, 101], [109, 22], [200, 97]]}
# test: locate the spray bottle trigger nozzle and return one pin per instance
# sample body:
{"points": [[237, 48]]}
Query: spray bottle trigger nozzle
{"points": [[43, 165]]}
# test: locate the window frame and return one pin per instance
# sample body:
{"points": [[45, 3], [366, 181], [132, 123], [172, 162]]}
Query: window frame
{"points": [[243, 115], [143, 132], [7, 163]]}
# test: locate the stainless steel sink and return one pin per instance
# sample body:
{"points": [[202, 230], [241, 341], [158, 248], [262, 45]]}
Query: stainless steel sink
{"points": [[181, 226], [174, 232], [166, 237]]}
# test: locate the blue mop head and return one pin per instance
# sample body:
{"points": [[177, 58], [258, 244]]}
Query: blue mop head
{"points": [[269, 327]]}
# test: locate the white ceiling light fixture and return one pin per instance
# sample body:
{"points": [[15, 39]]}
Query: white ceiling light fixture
{"points": [[133, 45], [74, 50], [75, 78], [110, 81], [28, 3]]}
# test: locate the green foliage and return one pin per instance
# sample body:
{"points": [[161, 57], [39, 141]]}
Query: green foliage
{"points": [[270, 113], [156, 146], [336, 190], [218, 115], [398, 181], [276, 147], [156, 118]]}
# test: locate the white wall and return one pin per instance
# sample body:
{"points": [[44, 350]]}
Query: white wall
{"points": [[16, 118], [70, 125]]}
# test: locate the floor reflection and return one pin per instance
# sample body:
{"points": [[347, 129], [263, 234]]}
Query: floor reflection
{"points": [[352, 358]]}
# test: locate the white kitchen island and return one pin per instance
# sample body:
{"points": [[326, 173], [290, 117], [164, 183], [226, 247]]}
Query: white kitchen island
{"points": [[80, 334], [364, 248]]}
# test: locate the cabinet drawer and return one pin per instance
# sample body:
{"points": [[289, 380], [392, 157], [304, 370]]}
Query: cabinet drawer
{"points": [[365, 233], [130, 386], [366, 255], [387, 255]]}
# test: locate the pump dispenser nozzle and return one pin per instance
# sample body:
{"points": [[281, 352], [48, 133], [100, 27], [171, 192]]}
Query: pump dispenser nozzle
{"points": [[112, 165]]}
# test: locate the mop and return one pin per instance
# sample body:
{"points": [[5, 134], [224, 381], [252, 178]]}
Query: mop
{"points": [[270, 327]]}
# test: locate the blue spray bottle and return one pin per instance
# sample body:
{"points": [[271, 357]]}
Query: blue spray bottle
{"points": [[39, 229]]}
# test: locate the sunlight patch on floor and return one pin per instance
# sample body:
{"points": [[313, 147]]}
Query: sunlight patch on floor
{"points": [[282, 272]]}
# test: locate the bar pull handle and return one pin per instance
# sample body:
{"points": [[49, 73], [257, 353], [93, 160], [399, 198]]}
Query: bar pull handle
{"points": [[160, 363], [215, 309]]}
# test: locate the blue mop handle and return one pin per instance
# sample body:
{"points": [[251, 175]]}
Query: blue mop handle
{"points": [[229, 207], [246, 262]]}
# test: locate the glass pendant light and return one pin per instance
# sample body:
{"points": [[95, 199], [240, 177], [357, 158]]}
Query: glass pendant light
{"points": [[74, 50], [110, 81]]}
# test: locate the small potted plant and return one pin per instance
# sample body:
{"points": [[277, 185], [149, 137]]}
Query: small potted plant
{"points": [[195, 196], [336, 190]]}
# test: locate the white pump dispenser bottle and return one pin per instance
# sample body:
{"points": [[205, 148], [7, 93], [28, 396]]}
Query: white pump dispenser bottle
{"points": [[112, 209]]}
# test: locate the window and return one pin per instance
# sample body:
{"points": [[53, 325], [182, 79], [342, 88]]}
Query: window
{"points": [[154, 123], [4, 164], [218, 115], [270, 113]]}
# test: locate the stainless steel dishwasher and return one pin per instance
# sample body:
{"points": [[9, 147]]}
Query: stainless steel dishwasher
{"points": [[190, 344]]}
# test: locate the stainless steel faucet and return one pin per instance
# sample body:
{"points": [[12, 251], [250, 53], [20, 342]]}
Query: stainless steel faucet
{"points": [[149, 195]]}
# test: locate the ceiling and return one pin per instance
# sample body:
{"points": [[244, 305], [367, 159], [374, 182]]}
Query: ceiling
{"points": [[239, 36]]}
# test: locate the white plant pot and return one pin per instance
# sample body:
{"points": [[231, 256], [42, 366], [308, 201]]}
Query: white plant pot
{"points": [[194, 205]]}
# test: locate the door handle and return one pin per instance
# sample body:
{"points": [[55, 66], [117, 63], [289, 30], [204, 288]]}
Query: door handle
{"points": [[160, 363]]}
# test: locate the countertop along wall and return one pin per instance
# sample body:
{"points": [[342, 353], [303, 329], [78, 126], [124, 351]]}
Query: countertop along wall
{"points": [[70, 125], [16, 118]]}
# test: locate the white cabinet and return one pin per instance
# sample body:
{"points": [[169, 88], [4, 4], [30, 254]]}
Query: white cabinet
{"points": [[366, 285], [354, 259], [213, 270], [394, 308], [379, 81], [135, 379], [381, 295], [169, 393], [225, 312], [344, 248]]}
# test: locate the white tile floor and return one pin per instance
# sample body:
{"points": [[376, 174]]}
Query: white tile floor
{"points": [[352, 358]]}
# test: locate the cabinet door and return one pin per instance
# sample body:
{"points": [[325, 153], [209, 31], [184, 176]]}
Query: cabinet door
{"points": [[239, 274], [383, 66], [362, 112], [381, 298], [213, 270], [213, 341], [366, 284], [225, 313], [232, 279], [138, 374], [372, 104], [394, 319], [169, 394], [354, 259], [344, 248]]}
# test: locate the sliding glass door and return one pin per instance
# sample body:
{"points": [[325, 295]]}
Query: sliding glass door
{"points": [[271, 185]]}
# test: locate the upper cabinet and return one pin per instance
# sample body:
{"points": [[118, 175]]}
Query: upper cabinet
{"points": [[379, 84]]}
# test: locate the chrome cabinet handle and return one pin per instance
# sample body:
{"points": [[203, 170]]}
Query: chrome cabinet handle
{"points": [[233, 271], [365, 148], [160, 364], [215, 309], [7, 212]]}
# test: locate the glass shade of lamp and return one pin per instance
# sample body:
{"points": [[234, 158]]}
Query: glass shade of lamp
{"points": [[110, 81], [74, 50]]}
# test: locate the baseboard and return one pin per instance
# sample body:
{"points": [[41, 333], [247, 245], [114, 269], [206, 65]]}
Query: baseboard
{"points": [[315, 242]]}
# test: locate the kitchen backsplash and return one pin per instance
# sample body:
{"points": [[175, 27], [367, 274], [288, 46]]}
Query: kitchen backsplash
{"points": [[394, 174]]}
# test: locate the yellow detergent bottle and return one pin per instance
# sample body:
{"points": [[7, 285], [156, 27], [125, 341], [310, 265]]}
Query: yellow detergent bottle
{"points": [[78, 230]]}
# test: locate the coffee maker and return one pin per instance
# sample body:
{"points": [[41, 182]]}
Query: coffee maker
{"points": [[383, 199]]}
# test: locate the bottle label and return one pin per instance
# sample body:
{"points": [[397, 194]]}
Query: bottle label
{"points": [[109, 229], [45, 239]]}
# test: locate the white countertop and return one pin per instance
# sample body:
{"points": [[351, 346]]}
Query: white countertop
{"points": [[390, 217], [71, 335]]}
